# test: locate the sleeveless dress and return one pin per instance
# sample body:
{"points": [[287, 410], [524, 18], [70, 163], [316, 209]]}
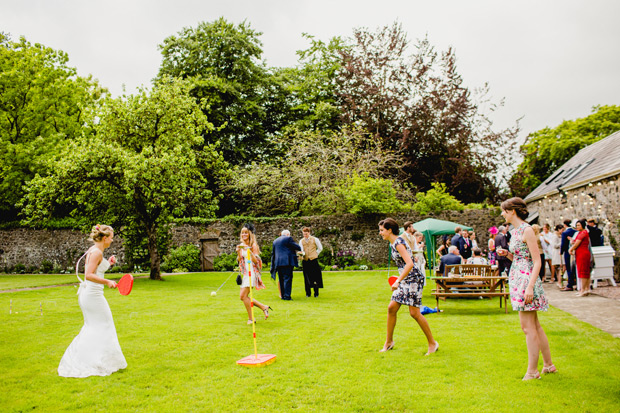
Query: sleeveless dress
{"points": [[95, 351], [409, 291], [520, 273], [257, 281]]}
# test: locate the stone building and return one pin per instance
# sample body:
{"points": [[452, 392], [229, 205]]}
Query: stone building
{"points": [[586, 186]]}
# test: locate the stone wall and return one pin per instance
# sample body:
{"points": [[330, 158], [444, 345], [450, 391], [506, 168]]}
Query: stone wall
{"points": [[340, 232], [61, 247], [599, 200]]}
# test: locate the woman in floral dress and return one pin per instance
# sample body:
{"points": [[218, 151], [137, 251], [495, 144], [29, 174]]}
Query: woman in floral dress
{"points": [[407, 289], [526, 293]]}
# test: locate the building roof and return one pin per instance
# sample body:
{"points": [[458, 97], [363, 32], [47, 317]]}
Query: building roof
{"points": [[597, 161]]}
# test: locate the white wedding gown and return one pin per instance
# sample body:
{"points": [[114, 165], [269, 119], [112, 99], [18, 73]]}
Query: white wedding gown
{"points": [[95, 351]]}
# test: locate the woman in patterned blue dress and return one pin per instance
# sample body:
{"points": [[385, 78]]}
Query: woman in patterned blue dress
{"points": [[526, 292], [408, 287]]}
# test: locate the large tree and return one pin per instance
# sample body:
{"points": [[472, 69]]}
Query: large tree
{"points": [[549, 148], [241, 97], [310, 177], [43, 103], [417, 105], [142, 168]]}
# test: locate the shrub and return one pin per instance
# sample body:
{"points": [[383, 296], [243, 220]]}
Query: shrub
{"points": [[47, 267], [226, 262], [356, 236], [366, 195], [18, 269], [325, 257], [436, 200], [345, 258], [265, 253], [186, 257]]}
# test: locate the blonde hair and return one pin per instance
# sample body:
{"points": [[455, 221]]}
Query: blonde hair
{"points": [[418, 234], [98, 232], [252, 240], [536, 229]]}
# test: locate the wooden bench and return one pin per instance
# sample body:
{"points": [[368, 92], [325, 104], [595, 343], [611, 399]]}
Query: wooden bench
{"points": [[471, 280]]}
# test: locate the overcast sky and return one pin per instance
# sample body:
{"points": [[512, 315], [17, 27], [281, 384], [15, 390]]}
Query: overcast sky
{"points": [[550, 60]]}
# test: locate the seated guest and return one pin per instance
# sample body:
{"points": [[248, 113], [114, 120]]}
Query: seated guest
{"points": [[477, 258], [451, 258]]}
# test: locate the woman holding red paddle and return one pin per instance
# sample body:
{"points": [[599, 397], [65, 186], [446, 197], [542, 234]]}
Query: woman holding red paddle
{"points": [[95, 351], [407, 288]]}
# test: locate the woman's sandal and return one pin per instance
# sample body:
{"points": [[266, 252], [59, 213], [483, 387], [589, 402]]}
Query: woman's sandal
{"points": [[388, 348], [550, 369], [529, 376], [250, 322], [428, 353], [266, 312]]}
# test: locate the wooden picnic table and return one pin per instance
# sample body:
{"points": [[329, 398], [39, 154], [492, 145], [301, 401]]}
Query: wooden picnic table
{"points": [[461, 286]]}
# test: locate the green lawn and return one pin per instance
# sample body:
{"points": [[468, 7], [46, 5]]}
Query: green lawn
{"points": [[181, 345]]}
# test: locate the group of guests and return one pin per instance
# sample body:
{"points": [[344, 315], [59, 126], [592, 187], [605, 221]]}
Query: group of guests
{"points": [[462, 248], [564, 249], [284, 258]]}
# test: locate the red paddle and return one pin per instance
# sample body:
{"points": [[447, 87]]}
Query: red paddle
{"points": [[392, 280], [125, 284]]}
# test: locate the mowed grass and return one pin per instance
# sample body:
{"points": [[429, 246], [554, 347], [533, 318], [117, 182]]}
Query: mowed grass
{"points": [[182, 344]]}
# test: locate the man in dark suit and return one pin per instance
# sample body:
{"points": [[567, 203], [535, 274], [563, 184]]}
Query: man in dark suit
{"points": [[283, 260], [457, 237], [501, 241], [451, 258], [464, 244], [567, 235], [596, 235]]}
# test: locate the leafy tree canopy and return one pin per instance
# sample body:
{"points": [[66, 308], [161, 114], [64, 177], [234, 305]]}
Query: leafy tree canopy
{"points": [[547, 149], [141, 169], [417, 105], [240, 96], [43, 103]]}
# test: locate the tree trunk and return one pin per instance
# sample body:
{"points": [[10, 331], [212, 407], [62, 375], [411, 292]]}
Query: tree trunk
{"points": [[154, 253]]}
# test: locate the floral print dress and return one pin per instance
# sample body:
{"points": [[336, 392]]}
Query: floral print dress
{"points": [[520, 274], [409, 291]]}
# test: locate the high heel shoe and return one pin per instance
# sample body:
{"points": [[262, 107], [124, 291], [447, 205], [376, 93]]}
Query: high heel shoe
{"points": [[388, 348], [550, 369], [250, 322], [529, 376], [266, 312], [428, 353]]}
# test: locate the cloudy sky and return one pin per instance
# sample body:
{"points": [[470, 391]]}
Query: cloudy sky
{"points": [[550, 60]]}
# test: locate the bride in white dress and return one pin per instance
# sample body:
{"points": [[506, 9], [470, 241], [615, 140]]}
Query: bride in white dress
{"points": [[95, 351]]}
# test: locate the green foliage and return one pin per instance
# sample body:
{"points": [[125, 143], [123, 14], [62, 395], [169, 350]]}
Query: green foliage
{"points": [[186, 256], [436, 200], [243, 99], [43, 103], [548, 149], [305, 181], [226, 262], [47, 267], [265, 253], [140, 170], [366, 195]]}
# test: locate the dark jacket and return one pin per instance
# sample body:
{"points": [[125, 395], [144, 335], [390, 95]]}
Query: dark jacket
{"points": [[565, 245], [448, 259], [596, 236], [284, 253], [501, 241]]}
